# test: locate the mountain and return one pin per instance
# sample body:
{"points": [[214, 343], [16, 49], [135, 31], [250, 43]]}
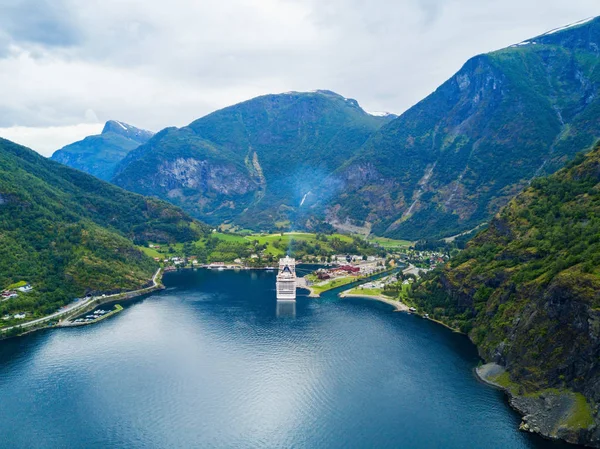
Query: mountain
{"points": [[99, 155], [527, 291], [254, 162], [68, 233], [445, 166], [451, 161]]}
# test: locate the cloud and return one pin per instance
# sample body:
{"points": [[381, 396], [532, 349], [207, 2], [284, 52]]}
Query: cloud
{"points": [[46, 140], [156, 66], [38, 21]]}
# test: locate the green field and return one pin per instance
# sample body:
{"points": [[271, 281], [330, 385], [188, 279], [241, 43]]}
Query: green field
{"points": [[278, 244], [365, 291], [334, 283], [229, 237], [227, 247], [391, 243]]}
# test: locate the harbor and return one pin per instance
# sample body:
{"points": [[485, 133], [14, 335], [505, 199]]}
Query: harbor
{"points": [[92, 317]]}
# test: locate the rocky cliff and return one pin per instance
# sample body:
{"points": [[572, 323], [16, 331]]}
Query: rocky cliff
{"points": [[453, 160], [527, 291], [253, 163]]}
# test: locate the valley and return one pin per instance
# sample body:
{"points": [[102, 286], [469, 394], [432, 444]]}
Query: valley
{"points": [[477, 208]]}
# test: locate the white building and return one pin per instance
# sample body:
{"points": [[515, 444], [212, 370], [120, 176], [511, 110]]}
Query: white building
{"points": [[286, 279], [25, 289]]}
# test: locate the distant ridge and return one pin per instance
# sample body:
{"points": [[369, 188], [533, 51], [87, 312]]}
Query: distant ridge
{"points": [[98, 155]]}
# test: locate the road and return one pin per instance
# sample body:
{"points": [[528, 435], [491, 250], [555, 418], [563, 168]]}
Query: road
{"points": [[77, 306]]}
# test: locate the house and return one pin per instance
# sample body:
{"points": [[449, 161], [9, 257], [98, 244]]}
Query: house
{"points": [[8, 294], [25, 289], [19, 316], [323, 275]]}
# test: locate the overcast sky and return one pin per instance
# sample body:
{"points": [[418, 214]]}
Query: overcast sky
{"points": [[67, 66]]}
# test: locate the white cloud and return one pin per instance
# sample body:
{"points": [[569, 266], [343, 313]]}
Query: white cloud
{"points": [[154, 66], [45, 140]]}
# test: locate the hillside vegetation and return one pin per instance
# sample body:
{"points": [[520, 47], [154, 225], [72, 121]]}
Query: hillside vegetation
{"points": [[527, 290], [254, 163], [68, 233], [453, 160], [448, 164]]}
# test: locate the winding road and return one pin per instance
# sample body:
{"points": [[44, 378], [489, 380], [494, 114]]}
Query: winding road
{"points": [[74, 306]]}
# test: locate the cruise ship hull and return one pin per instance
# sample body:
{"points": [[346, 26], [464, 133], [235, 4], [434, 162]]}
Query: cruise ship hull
{"points": [[286, 280]]}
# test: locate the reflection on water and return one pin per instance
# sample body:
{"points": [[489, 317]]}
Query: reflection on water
{"points": [[206, 363], [286, 309]]}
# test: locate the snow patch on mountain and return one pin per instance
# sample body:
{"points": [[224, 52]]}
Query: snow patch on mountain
{"points": [[379, 113], [566, 27]]}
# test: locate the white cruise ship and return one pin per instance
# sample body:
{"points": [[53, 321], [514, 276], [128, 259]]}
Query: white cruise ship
{"points": [[286, 279]]}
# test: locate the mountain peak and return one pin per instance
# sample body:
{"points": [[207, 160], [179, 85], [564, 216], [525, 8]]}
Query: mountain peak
{"points": [[576, 34], [99, 154], [127, 130], [115, 126]]}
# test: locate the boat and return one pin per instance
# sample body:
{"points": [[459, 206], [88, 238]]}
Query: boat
{"points": [[286, 279]]}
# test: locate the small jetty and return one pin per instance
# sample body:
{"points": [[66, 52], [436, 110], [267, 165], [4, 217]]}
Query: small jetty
{"points": [[92, 317]]}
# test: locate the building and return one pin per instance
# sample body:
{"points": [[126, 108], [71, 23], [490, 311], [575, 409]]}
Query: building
{"points": [[8, 294], [286, 279], [25, 289]]}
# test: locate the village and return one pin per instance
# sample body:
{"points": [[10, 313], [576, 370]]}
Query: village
{"points": [[324, 271], [422, 261], [13, 292]]}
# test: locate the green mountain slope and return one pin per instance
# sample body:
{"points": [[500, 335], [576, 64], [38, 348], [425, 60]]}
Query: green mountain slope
{"points": [[528, 290], [68, 233], [99, 155], [253, 162], [450, 162]]}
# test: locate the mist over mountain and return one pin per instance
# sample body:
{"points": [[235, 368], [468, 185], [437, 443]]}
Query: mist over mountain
{"points": [[444, 166], [251, 163], [301, 160]]}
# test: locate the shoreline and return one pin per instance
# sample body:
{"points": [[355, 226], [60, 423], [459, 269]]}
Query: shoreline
{"points": [[543, 414], [81, 308], [356, 281], [398, 305]]}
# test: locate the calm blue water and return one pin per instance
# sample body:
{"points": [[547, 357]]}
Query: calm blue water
{"points": [[212, 362]]}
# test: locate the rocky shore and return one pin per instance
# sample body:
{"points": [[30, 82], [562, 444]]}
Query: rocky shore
{"points": [[554, 414]]}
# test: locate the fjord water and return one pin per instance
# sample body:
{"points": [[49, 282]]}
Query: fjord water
{"points": [[213, 362]]}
